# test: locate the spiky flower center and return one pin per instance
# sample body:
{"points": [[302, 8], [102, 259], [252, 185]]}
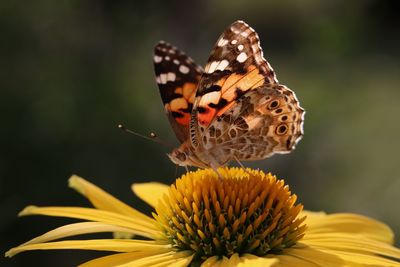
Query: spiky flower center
{"points": [[244, 212]]}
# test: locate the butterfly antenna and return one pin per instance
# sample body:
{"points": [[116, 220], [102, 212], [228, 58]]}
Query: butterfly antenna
{"points": [[152, 136]]}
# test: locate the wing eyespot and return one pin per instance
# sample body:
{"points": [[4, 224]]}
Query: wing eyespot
{"points": [[273, 104], [281, 129]]}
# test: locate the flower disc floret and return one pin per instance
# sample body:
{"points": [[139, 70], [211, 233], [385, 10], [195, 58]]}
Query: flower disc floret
{"points": [[245, 211]]}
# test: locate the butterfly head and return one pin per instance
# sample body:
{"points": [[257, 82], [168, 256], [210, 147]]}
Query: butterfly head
{"points": [[184, 156], [178, 157]]}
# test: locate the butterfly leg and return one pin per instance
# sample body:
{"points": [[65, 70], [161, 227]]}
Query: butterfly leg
{"points": [[215, 169]]}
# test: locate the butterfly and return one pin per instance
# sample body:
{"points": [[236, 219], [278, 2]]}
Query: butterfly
{"points": [[233, 109]]}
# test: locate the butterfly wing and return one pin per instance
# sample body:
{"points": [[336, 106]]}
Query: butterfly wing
{"points": [[235, 66], [177, 77], [263, 122], [240, 109]]}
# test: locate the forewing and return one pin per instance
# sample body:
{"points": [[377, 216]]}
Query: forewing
{"points": [[235, 66], [177, 77]]}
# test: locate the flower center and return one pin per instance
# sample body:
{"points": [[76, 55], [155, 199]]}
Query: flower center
{"points": [[245, 212]]}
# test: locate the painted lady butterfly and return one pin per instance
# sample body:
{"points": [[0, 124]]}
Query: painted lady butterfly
{"points": [[234, 109]]}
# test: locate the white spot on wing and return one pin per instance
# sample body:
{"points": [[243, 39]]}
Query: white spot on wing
{"points": [[171, 76], [163, 78], [166, 77], [167, 58], [183, 69], [211, 68], [176, 61], [217, 65], [241, 57], [240, 47], [212, 97], [157, 59], [234, 42], [222, 64]]}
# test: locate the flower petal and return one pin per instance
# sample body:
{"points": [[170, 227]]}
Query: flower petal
{"points": [[313, 257], [117, 259], [102, 200], [358, 259], [349, 223], [116, 245], [150, 192], [176, 259], [76, 229], [171, 258], [360, 245], [242, 261], [210, 262], [290, 261], [251, 260], [137, 225]]}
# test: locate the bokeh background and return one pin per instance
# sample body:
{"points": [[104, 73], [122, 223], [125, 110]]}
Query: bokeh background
{"points": [[71, 70]]}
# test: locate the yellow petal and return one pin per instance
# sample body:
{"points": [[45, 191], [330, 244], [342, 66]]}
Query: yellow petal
{"points": [[76, 229], [150, 192], [117, 259], [147, 258], [137, 225], [210, 262], [102, 200], [290, 261], [182, 258], [246, 260], [355, 244], [349, 223], [179, 262], [314, 257], [251, 260], [116, 245], [357, 259]]}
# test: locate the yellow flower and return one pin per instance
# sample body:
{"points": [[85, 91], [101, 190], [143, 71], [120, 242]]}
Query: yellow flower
{"points": [[248, 218]]}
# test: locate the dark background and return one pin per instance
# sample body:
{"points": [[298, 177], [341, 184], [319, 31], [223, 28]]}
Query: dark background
{"points": [[71, 70]]}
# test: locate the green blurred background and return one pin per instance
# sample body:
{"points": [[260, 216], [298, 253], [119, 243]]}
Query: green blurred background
{"points": [[71, 70]]}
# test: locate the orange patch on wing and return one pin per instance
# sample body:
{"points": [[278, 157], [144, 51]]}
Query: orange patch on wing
{"points": [[177, 105], [188, 91], [230, 81], [251, 79], [178, 90], [185, 120], [206, 117]]}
